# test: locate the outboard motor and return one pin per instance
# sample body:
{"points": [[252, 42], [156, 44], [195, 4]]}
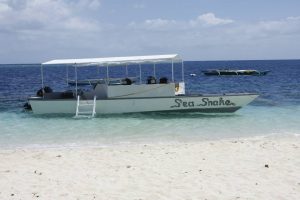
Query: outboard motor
{"points": [[42, 91]]}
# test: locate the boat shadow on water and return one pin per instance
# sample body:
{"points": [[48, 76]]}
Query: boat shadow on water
{"points": [[141, 116], [176, 115]]}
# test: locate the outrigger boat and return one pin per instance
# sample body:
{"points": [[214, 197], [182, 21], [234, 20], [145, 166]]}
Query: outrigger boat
{"points": [[107, 96], [223, 72]]}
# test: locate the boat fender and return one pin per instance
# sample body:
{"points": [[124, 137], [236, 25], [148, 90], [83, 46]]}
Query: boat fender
{"points": [[27, 106]]}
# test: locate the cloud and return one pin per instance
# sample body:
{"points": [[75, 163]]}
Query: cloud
{"points": [[288, 25], [36, 15], [210, 19], [38, 30], [34, 30], [90, 4], [4, 7], [154, 24], [207, 24], [159, 24], [266, 30], [214, 38]]}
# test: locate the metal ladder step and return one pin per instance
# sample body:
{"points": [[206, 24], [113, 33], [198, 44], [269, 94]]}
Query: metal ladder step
{"points": [[86, 104], [85, 113]]}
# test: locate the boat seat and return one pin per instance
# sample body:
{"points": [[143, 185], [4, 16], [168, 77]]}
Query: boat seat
{"points": [[59, 95], [163, 80], [151, 80], [126, 81], [67, 95]]}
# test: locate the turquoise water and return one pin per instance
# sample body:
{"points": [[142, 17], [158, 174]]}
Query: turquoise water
{"points": [[24, 129], [275, 112]]}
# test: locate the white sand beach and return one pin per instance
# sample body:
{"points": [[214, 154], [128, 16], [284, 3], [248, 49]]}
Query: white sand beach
{"points": [[266, 168]]}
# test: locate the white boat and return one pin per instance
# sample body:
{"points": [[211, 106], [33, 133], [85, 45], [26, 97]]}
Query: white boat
{"points": [[127, 96]]}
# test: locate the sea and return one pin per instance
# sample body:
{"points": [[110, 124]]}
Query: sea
{"points": [[275, 113]]}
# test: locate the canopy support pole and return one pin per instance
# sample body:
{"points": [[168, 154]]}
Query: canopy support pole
{"points": [[107, 74], [154, 71], [127, 70], [67, 74], [42, 76], [140, 73], [76, 86], [182, 71], [172, 71]]}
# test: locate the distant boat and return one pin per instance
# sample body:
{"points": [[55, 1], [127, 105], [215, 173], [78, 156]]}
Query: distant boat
{"points": [[222, 72]]}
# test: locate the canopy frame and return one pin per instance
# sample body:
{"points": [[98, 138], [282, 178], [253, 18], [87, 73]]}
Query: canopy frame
{"points": [[116, 61]]}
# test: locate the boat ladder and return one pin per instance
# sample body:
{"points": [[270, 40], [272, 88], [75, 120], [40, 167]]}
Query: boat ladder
{"points": [[85, 108]]}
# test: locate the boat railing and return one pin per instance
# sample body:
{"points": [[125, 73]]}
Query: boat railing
{"points": [[93, 82]]}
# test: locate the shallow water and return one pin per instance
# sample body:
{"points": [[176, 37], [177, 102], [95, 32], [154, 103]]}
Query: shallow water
{"points": [[276, 111]]}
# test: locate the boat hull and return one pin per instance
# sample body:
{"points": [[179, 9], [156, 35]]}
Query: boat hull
{"points": [[205, 104], [235, 72]]}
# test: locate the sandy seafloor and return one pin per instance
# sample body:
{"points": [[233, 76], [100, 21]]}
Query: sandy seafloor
{"points": [[252, 168]]}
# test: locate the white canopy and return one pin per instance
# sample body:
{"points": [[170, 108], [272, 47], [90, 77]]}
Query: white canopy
{"points": [[117, 60]]}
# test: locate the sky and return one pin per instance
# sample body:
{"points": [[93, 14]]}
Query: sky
{"points": [[34, 31]]}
